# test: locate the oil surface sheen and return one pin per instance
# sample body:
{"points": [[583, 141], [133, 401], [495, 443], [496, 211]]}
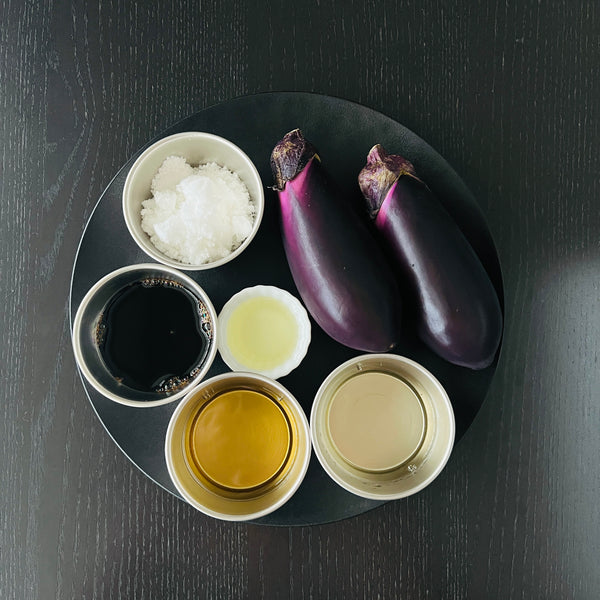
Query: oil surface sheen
{"points": [[262, 333], [376, 421], [240, 440]]}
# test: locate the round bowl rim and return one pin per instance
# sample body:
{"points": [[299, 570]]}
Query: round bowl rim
{"points": [[303, 426], [445, 404], [77, 324], [146, 245], [299, 312]]}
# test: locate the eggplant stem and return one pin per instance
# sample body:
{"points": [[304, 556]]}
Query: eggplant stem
{"points": [[379, 175], [291, 154]]}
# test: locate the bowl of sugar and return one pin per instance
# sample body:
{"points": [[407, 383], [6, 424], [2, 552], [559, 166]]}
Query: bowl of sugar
{"points": [[382, 426], [193, 201]]}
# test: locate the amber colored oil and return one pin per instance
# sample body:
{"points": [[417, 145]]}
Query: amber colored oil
{"points": [[240, 442]]}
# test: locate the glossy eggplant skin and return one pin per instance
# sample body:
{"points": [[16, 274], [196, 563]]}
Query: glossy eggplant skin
{"points": [[337, 265], [458, 312]]}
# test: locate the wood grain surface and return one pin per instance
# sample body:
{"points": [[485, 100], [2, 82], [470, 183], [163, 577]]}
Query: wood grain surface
{"points": [[508, 93]]}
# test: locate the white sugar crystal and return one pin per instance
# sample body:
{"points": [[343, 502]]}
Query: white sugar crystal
{"points": [[197, 215], [170, 173]]}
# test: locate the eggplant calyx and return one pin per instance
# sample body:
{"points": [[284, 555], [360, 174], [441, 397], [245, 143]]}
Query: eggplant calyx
{"points": [[289, 157], [379, 175]]}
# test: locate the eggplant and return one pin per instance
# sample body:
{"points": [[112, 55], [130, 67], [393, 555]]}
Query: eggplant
{"points": [[337, 265], [456, 307]]}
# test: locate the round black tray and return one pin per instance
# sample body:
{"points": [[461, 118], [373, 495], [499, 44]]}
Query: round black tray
{"points": [[343, 132]]}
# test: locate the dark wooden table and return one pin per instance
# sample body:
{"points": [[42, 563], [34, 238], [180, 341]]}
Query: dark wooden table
{"points": [[508, 93]]}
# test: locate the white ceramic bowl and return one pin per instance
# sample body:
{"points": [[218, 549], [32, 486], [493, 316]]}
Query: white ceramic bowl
{"points": [[427, 411], [197, 148], [85, 336], [296, 310], [214, 500]]}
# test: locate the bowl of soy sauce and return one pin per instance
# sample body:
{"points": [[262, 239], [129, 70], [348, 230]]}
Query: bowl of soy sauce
{"points": [[144, 335]]}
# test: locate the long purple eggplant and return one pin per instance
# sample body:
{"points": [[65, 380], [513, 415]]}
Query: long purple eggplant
{"points": [[458, 312], [337, 265]]}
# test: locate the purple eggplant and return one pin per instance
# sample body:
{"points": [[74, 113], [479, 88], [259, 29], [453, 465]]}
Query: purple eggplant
{"points": [[338, 267], [457, 309]]}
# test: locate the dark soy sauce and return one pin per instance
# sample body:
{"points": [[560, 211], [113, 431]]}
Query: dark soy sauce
{"points": [[154, 336]]}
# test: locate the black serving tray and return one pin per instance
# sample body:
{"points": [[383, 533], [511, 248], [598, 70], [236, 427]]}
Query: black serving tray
{"points": [[343, 133]]}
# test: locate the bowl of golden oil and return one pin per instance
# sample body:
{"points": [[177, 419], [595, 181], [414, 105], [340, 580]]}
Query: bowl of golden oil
{"points": [[238, 446]]}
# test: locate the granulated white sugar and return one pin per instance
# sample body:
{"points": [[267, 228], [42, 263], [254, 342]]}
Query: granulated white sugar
{"points": [[197, 214]]}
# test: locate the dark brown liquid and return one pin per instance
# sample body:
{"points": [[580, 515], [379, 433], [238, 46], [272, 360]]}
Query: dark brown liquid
{"points": [[154, 336]]}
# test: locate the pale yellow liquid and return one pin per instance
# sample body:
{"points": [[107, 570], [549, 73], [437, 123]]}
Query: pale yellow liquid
{"points": [[262, 333], [376, 421]]}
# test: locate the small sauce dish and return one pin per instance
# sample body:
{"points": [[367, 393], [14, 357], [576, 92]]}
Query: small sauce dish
{"points": [[263, 329]]}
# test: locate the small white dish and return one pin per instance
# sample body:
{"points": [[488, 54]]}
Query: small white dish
{"points": [[239, 334], [197, 148]]}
